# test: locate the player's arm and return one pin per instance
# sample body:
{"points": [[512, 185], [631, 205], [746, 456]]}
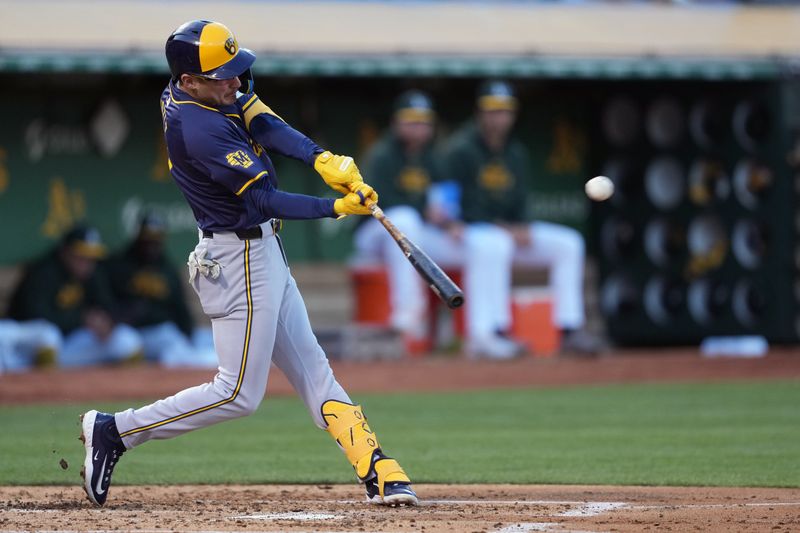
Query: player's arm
{"points": [[231, 163], [272, 132], [273, 203]]}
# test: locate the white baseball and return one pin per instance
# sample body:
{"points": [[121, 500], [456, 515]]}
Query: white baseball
{"points": [[599, 188]]}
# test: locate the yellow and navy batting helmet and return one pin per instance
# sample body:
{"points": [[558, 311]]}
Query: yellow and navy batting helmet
{"points": [[208, 49]]}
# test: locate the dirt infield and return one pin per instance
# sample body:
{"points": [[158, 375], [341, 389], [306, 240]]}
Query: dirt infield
{"points": [[420, 374], [458, 508]]}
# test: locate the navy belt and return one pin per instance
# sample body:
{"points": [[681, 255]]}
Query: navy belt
{"points": [[250, 233]]}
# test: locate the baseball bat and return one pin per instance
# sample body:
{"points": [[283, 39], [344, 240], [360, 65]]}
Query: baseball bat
{"points": [[434, 276]]}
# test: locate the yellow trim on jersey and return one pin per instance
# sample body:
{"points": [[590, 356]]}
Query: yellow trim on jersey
{"points": [[249, 102], [232, 115], [245, 351], [250, 182], [192, 102], [217, 46], [256, 107]]}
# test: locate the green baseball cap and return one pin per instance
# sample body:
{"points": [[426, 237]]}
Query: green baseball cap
{"points": [[414, 106], [84, 241], [495, 95]]}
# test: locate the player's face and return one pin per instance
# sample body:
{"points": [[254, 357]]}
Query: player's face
{"points": [[211, 92], [80, 267], [414, 134], [496, 124]]}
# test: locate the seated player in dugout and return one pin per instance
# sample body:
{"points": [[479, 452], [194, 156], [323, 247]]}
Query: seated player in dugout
{"points": [[403, 166], [218, 133], [493, 170], [151, 298], [67, 288]]}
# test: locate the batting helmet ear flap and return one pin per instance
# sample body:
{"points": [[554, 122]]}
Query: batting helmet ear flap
{"points": [[248, 84]]}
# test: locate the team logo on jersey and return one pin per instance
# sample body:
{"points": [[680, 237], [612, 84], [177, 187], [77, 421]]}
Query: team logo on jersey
{"points": [[230, 46], [495, 177], [239, 158], [413, 180], [150, 285], [69, 296]]}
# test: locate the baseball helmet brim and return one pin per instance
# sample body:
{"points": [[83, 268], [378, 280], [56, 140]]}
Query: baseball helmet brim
{"points": [[237, 66]]}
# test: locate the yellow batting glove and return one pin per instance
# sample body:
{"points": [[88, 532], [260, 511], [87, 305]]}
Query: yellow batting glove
{"points": [[355, 203], [338, 171]]}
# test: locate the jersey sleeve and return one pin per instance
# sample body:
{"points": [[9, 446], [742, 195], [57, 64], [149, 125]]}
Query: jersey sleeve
{"points": [[273, 133], [226, 156]]}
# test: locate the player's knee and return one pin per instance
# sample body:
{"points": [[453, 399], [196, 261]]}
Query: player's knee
{"points": [[234, 400], [125, 342], [245, 405], [50, 336]]}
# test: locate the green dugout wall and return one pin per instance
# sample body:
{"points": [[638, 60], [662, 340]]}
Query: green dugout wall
{"points": [[83, 146], [700, 239]]}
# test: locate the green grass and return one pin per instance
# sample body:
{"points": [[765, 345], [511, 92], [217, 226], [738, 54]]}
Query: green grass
{"points": [[732, 434]]}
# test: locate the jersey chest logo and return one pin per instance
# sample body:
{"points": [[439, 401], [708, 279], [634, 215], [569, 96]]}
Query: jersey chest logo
{"points": [[413, 180], [69, 296], [495, 177], [239, 158], [150, 285]]}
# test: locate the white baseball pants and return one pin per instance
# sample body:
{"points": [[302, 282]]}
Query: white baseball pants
{"points": [[490, 253], [258, 317], [407, 296], [19, 342]]}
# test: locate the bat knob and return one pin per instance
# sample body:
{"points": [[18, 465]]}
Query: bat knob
{"points": [[456, 300]]}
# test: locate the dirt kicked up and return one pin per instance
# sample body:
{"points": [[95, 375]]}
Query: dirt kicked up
{"points": [[459, 508]]}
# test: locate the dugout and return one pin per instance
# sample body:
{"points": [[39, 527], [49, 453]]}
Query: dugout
{"points": [[81, 136]]}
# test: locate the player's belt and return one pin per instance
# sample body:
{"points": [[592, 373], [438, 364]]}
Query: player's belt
{"points": [[250, 233]]}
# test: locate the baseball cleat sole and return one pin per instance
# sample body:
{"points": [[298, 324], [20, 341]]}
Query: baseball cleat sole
{"points": [[87, 435], [399, 495], [400, 500]]}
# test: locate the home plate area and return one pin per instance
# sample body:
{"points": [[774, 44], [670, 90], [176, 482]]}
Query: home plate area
{"points": [[460, 508]]}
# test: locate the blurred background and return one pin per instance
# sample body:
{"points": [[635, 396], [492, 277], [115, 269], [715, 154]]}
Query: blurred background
{"points": [[691, 108]]}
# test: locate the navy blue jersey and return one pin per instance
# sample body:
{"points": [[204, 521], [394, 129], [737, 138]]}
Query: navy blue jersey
{"points": [[223, 170]]}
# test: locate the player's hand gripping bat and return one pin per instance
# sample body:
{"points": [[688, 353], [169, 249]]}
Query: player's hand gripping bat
{"points": [[433, 275]]}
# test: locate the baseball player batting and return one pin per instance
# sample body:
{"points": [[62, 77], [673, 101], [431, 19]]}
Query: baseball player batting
{"points": [[216, 138]]}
